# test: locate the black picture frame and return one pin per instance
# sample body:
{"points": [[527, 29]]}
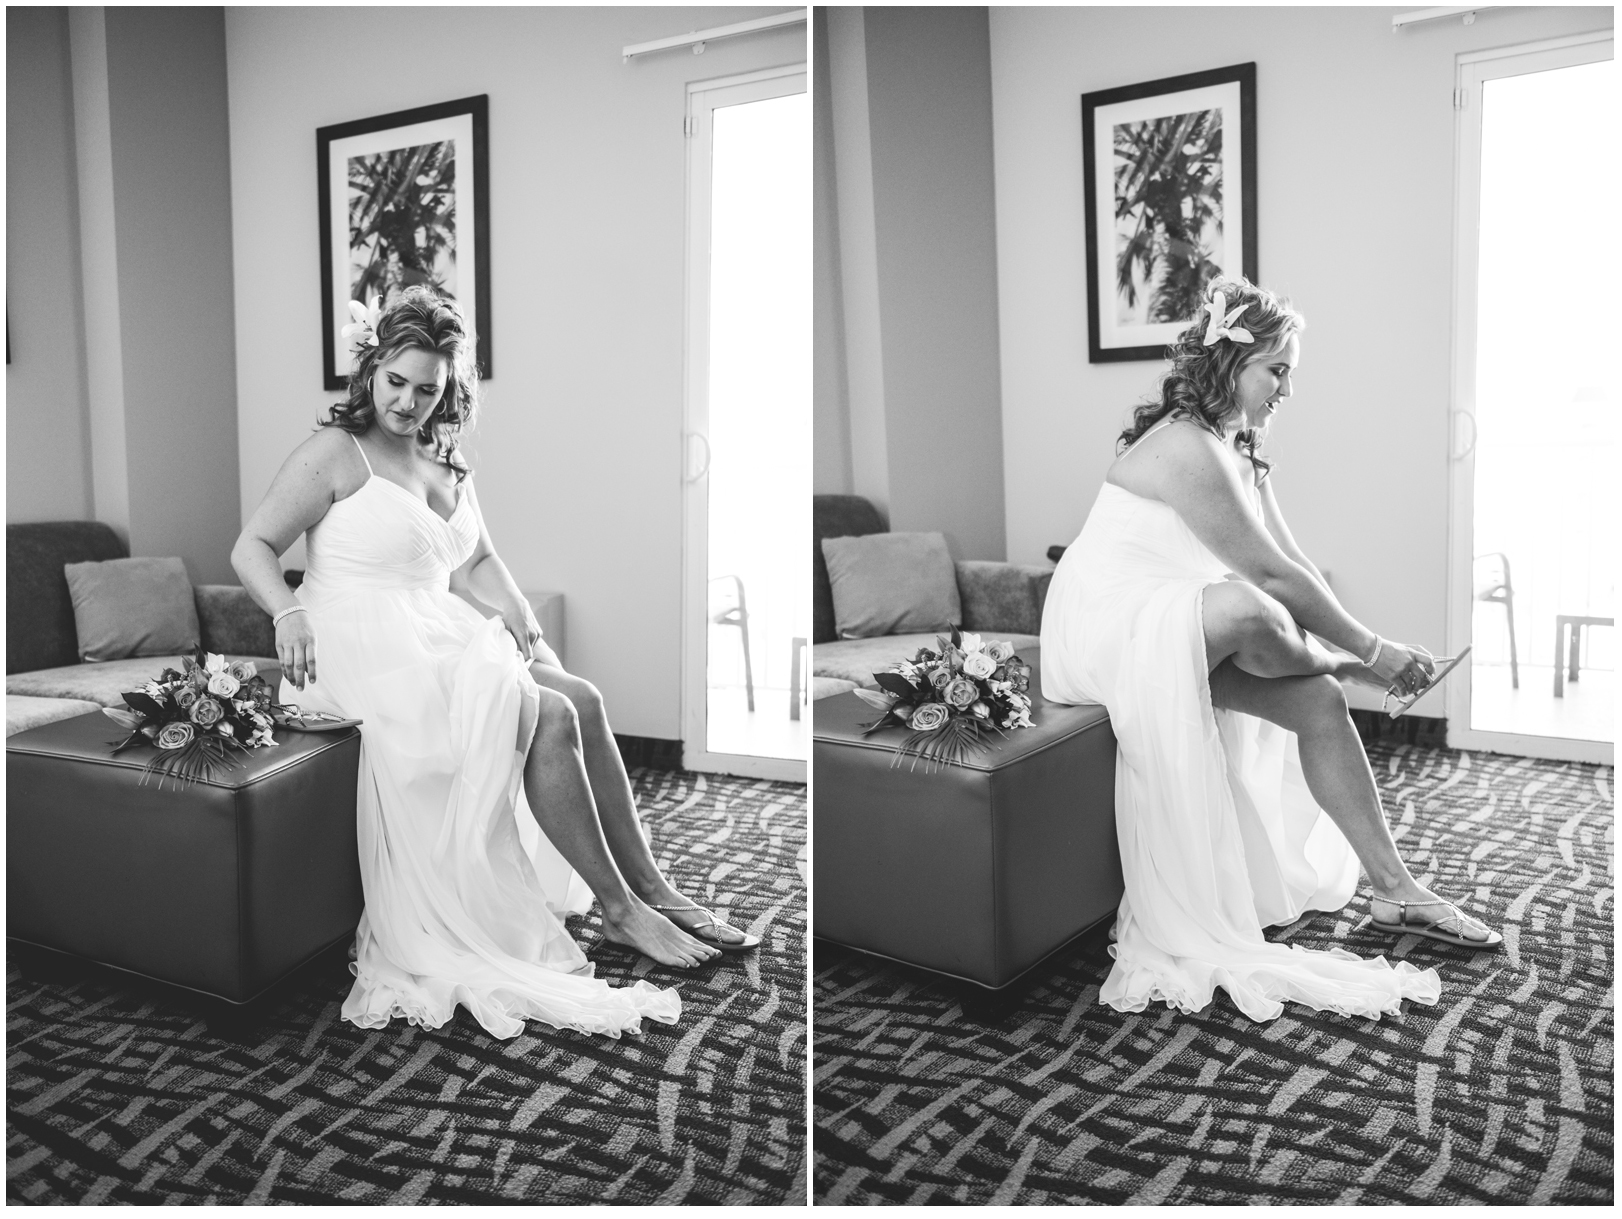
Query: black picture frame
{"points": [[465, 120], [1221, 90]]}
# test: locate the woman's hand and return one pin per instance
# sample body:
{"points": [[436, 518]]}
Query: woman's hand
{"points": [[295, 648], [521, 625], [1402, 668]]}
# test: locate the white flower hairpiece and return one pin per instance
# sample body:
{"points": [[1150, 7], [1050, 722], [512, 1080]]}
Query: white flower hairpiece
{"points": [[1220, 326], [364, 328]]}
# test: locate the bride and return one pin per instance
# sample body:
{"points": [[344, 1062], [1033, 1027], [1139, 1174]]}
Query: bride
{"points": [[462, 717], [1243, 797]]}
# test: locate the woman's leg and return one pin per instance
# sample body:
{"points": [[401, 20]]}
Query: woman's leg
{"points": [[559, 791], [1337, 773], [616, 805], [1256, 632]]}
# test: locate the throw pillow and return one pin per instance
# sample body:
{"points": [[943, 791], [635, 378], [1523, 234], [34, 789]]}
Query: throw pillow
{"points": [[132, 607], [892, 584]]}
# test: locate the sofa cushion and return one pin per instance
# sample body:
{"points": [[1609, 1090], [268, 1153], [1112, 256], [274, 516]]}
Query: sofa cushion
{"points": [[23, 713], [856, 660], [104, 684], [827, 687], [40, 631], [1002, 596], [231, 621], [891, 583], [132, 607], [834, 516]]}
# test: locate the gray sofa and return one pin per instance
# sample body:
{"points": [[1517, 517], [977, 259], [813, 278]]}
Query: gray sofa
{"points": [[45, 680], [1001, 599]]}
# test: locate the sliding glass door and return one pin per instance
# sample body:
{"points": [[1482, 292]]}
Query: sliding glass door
{"points": [[746, 665], [1534, 527]]}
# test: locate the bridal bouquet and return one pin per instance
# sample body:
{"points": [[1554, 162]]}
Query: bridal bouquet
{"points": [[952, 696], [198, 718]]}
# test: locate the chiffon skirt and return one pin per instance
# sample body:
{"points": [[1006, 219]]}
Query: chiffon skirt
{"points": [[465, 896], [1219, 835]]}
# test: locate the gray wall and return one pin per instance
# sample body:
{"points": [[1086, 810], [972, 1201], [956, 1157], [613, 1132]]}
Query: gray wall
{"points": [[831, 471], [47, 411], [122, 394], [918, 238], [172, 191]]}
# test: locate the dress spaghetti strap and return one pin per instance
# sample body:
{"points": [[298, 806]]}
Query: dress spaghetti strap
{"points": [[1162, 423], [363, 457]]}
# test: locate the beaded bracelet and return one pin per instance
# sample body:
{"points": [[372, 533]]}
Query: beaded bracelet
{"points": [[1379, 646], [291, 609]]}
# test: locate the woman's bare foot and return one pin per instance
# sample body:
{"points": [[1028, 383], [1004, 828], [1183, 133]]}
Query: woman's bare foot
{"points": [[653, 935]]}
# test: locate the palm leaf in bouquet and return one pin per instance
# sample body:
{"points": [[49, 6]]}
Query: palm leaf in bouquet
{"points": [[948, 745], [205, 759]]}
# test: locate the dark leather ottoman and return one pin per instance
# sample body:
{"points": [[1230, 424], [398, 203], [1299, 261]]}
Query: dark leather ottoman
{"points": [[222, 887], [976, 871]]}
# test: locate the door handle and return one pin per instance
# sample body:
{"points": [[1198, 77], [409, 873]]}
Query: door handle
{"points": [[1471, 447], [705, 468]]}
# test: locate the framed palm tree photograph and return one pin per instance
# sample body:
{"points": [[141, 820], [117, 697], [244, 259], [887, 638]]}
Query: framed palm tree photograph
{"points": [[404, 200], [1170, 181]]}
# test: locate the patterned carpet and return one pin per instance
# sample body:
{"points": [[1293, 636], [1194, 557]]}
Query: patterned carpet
{"points": [[126, 1092], [928, 1091]]}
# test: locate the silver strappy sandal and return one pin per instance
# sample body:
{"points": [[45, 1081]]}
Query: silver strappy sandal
{"points": [[1449, 929]]}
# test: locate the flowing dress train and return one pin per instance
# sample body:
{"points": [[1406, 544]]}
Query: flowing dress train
{"points": [[1219, 835], [465, 896]]}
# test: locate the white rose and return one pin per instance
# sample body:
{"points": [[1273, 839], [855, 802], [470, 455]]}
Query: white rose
{"points": [[978, 664], [223, 685], [1000, 650]]}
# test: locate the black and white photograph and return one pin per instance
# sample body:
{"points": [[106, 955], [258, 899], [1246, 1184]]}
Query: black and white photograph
{"points": [[406, 790], [404, 203], [1213, 734], [1183, 773], [1171, 183]]}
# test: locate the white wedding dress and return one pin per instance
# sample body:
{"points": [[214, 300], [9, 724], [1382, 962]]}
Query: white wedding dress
{"points": [[1219, 835], [464, 895]]}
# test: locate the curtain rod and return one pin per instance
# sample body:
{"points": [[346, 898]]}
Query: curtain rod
{"points": [[698, 38], [1468, 11]]}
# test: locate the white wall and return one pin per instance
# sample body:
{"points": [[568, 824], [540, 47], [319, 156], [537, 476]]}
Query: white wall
{"points": [[1355, 159], [578, 456], [47, 412]]}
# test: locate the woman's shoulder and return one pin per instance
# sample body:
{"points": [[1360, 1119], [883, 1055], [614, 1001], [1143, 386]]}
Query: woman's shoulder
{"points": [[1179, 450], [331, 452]]}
